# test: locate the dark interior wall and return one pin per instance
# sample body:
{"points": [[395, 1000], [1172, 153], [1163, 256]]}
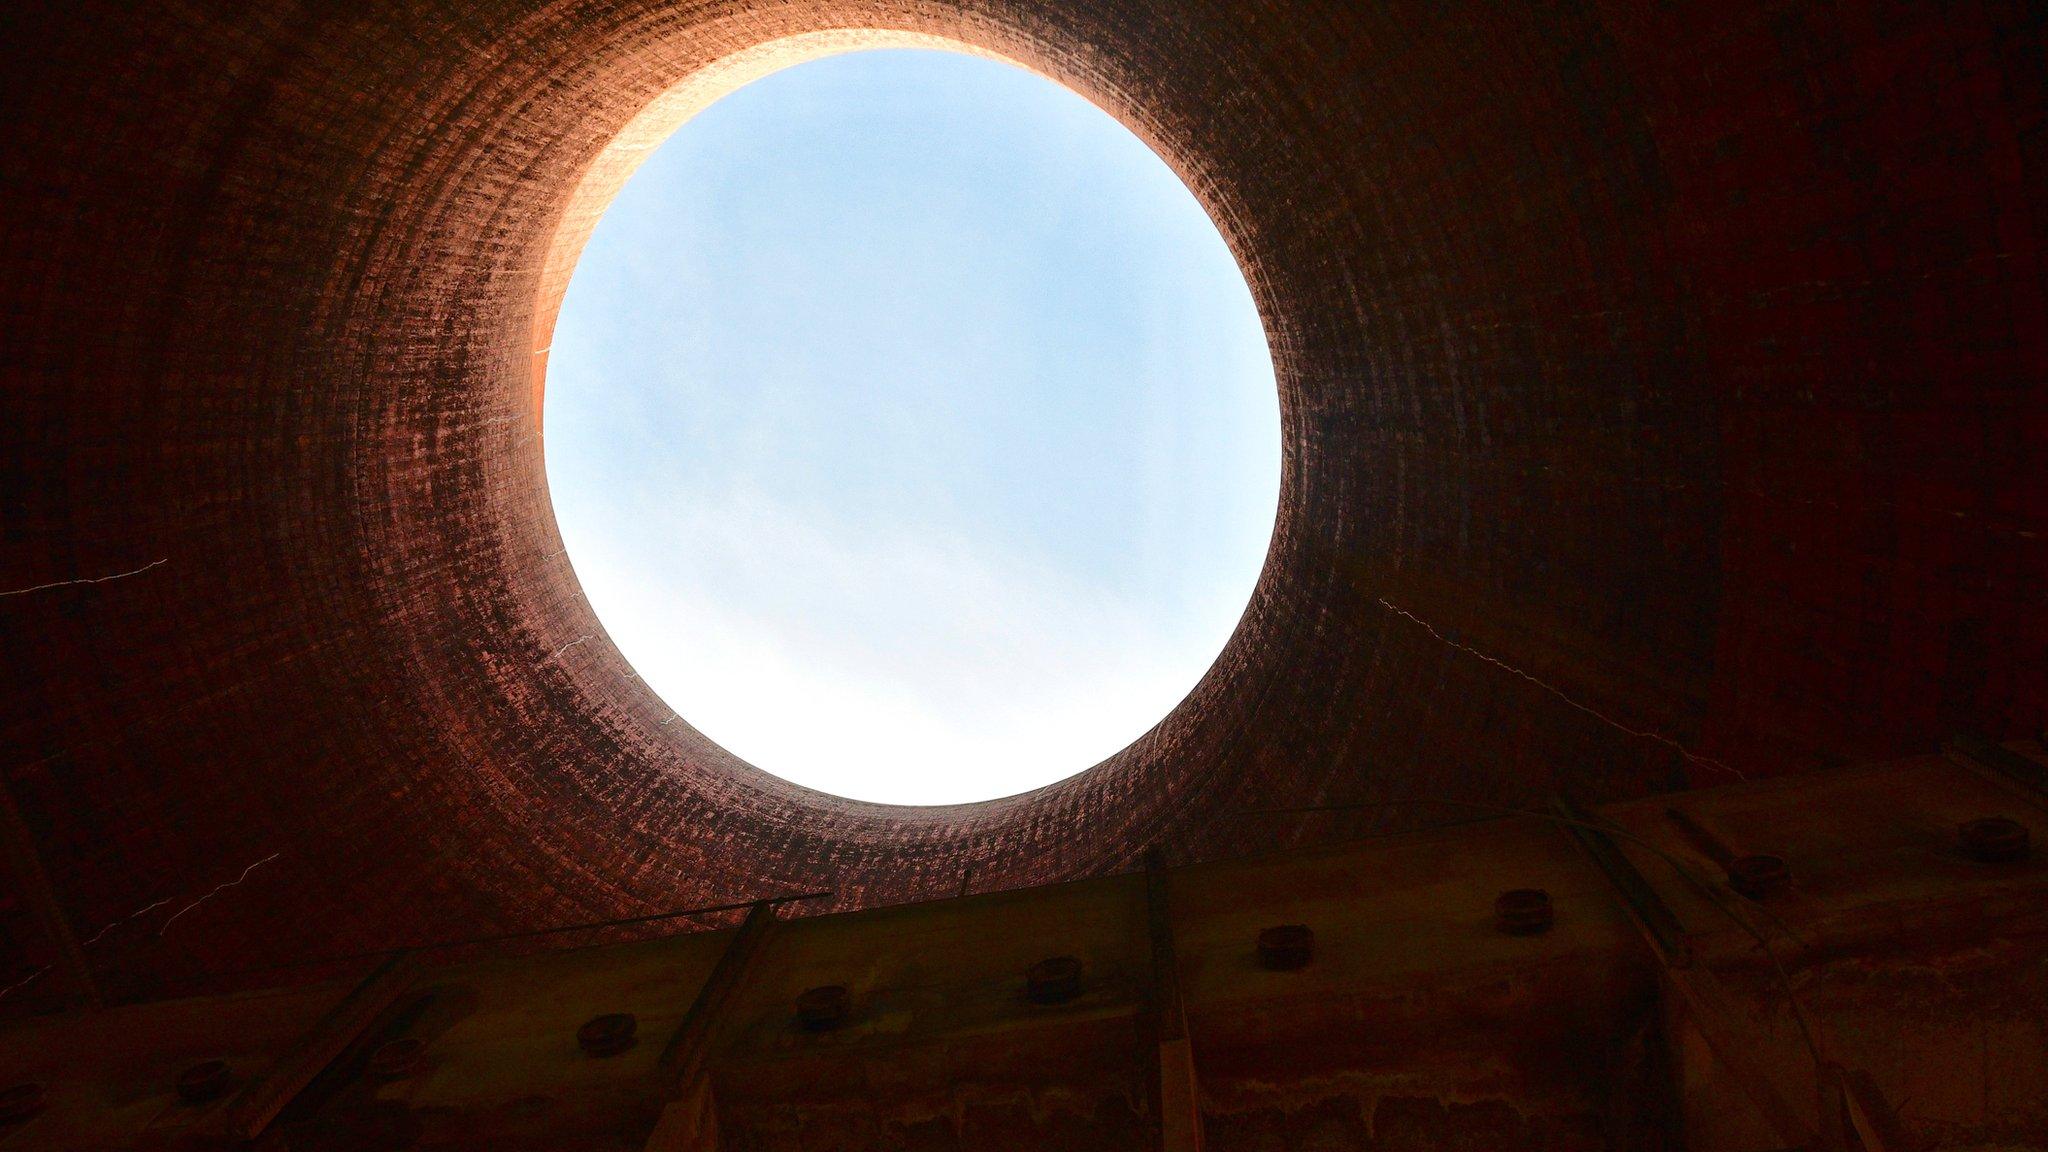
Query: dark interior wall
{"points": [[1662, 386]]}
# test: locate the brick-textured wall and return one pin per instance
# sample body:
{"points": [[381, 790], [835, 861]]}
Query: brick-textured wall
{"points": [[1662, 386]]}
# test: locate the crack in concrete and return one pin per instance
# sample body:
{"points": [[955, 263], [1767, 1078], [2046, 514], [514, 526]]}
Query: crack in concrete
{"points": [[99, 935], [218, 889], [86, 579], [23, 983], [1610, 721]]}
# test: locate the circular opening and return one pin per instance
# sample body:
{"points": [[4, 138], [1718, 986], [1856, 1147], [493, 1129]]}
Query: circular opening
{"points": [[911, 429]]}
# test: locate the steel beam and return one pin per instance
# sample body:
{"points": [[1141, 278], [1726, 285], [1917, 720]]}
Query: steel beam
{"points": [[1180, 1114], [689, 1117], [260, 1102], [1784, 1094], [1977, 752], [25, 861]]}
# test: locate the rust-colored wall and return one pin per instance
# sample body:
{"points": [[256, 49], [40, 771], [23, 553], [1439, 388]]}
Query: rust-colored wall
{"points": [[1687, 357]]}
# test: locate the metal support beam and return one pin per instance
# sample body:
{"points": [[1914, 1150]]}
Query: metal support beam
{"points": [[683, 1058], [1855, 1117], [1710, 845], [688, 1123], [1180, 1115], [689, 1119], [1782, 1090], [1977, 752], [26, 864], [1659, 925], [252, 1110]]}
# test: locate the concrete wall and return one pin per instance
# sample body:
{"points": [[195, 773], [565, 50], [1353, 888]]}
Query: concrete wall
{"points": [[1662, 391]]}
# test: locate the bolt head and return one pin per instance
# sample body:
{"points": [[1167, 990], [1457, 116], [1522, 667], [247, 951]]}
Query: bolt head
{"points": [[824, 1008], [1524, 911], [1055, 980], [1286, 947], [207, 1080], [1759, 875], [1994, 839], [607, 1035]]}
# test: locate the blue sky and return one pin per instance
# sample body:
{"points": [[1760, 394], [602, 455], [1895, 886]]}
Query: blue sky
{"points": [[911, 429]]}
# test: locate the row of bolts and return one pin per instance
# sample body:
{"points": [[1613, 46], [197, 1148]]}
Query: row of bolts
{"points": [[1058, 979]]}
